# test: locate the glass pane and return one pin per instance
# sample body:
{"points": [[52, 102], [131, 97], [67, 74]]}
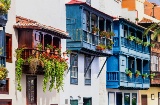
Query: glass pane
{"points": [[111, 99], [126, 98], [134, 98]]}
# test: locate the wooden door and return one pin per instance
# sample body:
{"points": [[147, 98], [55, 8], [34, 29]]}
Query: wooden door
{"points": [[5, 102], [144, 100], [31, 90]]}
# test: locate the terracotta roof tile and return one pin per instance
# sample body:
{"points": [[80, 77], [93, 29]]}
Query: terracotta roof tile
{"points": [[145, 20], [75, 2], [22, 22]]}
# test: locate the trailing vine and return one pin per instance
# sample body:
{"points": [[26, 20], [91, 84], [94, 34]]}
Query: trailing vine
{"points": [[19, 64], [53, 66]]}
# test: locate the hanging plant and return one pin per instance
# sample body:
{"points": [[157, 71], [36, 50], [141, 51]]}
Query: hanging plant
{"points": [[19, 64], [152, 45], [146, 44]]}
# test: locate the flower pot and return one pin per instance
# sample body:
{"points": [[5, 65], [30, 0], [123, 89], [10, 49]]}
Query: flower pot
{"points": [[56, 52], [136, 75], [48, 50], [130, 74], [64, 54]]}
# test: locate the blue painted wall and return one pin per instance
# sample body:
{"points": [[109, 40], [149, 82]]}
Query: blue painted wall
{"points": [[112, 63]]}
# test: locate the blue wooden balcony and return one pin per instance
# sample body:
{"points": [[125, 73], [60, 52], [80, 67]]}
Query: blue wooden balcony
{"points": [[116, 79], [130, 47], [86, 42]]}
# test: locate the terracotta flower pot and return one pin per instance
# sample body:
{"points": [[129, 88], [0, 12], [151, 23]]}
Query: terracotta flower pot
{"points": [[48, 50], [56, 52]]}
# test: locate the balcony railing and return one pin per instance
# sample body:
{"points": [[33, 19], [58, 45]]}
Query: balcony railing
{"points": [[132, 45], [121, 77], [85, 39]]}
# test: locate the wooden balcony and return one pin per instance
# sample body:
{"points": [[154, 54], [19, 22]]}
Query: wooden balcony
{"points": [[86, 42], [156, 80], [130, 47], [120, 80], [30, 52]]}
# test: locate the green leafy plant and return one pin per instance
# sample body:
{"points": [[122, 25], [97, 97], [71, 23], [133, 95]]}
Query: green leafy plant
{"points": [[19, 64], [152, 76], [4, 6], [136, 19], [49, 46], [103, 34], [130, 37], [144, 75], [152, 45], [95, 29], [53, 65], [137, 73], [138, 41], [128, 72], [39, 46], [3, 72], [146, 44]]}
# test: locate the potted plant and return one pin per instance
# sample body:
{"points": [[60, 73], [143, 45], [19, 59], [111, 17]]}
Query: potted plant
{"points": [[95, 30], [103, 34], [137, 73], [146, 44], [128, 72], [3, 72], [49, 48], [138, 41], [144, 75], [4, 7], [152, 45], [152, 76], [130, 37], [101, 47]]}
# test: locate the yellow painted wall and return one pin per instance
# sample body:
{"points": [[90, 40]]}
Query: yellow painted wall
{"points": [[151, 90]]}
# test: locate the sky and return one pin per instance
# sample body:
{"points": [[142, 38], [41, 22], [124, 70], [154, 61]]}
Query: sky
{"points": [[155, 1]]}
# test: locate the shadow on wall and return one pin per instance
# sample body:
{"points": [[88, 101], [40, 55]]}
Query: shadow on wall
{"points": [[46, 98]]}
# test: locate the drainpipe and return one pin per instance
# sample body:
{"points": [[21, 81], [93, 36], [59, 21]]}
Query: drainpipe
{"points": [[136, 15]]}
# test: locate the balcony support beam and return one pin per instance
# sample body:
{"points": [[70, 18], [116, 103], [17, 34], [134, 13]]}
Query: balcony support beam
{"points": [[89, 66], [135, 64], [102, 67]]}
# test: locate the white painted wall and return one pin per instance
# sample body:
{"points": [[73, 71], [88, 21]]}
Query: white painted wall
{"points": [[10, 66], [48, 12], [81, 89]]}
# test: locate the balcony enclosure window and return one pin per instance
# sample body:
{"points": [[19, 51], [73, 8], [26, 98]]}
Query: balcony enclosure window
{"points": [[90, 21], [31, 38], [154, 63]]}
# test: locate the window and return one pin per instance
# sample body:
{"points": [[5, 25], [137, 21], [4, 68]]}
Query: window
{"points": [[8, 47], [31, 90], [111, 98], [87, 77], [74, 69], [4, 86], [154, 63], [5, 101], [73, 102], [87, 101], [126, 99], [134, 98]]}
